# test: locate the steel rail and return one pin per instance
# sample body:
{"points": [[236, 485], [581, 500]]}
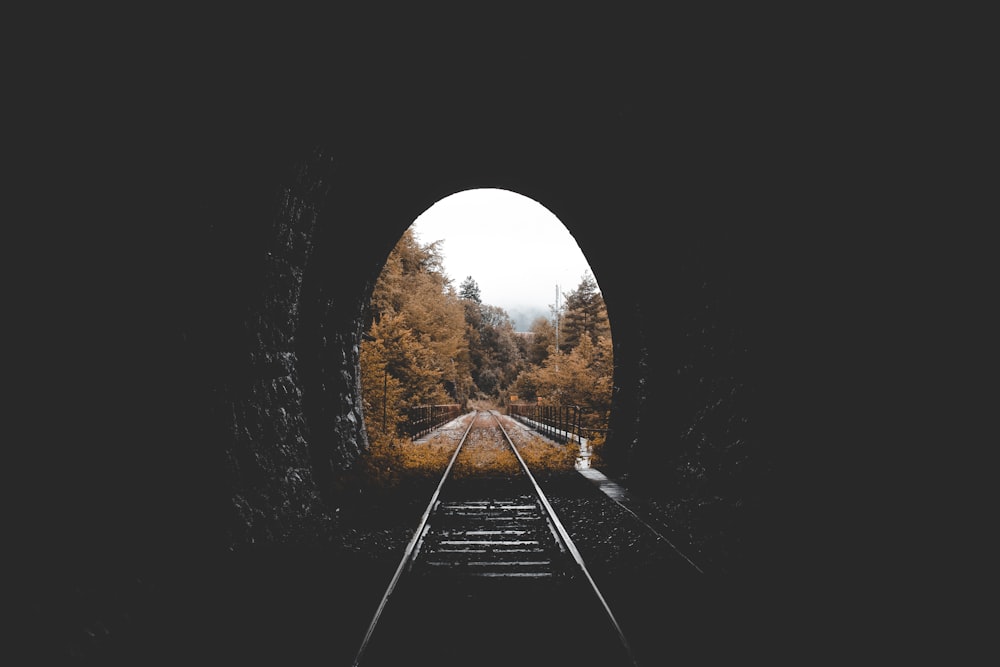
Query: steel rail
{"points": [[657, 533], [417, 534], [568, 542]]}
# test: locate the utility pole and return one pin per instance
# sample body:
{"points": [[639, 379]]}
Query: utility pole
{"points": [[557, 327]]}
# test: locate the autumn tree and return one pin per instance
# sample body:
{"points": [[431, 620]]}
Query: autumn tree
{"points": [[381, 393], [429, 344], [580, 373], [418, 323], [581, 377]]}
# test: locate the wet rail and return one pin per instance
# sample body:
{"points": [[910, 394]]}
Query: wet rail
{"points": [[491, 576]]}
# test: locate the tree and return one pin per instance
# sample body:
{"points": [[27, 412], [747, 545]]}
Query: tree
{"points": [[543, 337], [585, 315], [429, 344], [381, 394], [501, 355], [493, 347], [469, 289], [419, 325], [410, 268], [582, 377], [581, 373]]}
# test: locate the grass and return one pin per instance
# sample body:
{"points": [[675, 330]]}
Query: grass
{"points": [[482, 455]]}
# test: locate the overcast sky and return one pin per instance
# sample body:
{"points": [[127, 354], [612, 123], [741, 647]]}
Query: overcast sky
{"points": [[515, 249]]}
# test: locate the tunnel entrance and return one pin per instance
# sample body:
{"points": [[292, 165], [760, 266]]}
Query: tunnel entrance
{"points": [[677, 420], [486, 298]]}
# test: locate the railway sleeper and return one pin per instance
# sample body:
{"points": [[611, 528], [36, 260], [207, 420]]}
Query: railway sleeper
{"points": [[489, 568], [460, 557]]}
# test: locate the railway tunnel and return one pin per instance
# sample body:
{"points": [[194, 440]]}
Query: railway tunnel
{"points": [[199, 336]]}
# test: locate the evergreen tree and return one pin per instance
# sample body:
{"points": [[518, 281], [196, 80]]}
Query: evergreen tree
{"points": [[469, 289], [493, 348], [504, 359], [585, 315], [543, 337]]}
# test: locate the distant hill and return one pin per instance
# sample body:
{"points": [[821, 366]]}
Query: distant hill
{"points": [[523, 316]]}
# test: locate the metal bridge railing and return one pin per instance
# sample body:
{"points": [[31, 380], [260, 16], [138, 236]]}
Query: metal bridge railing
{"points": [[559, 423], [422, 419]]}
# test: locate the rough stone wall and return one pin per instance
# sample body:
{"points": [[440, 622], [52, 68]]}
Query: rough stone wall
{"points": [[274, 492]]}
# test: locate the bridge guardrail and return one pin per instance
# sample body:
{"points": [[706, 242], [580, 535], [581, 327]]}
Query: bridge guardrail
{"points": [[559, 423], [422, 419]]}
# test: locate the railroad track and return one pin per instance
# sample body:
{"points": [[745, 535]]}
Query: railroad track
{"points": [[491, 577]]}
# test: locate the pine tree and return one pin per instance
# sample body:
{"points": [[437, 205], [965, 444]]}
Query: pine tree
{"points": [[585, 315], [469, 289], [493, 349], [543, 336]]}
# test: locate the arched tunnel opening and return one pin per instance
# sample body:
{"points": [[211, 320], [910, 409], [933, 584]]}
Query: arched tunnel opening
{"points": [[312, 350], [463, 313]]}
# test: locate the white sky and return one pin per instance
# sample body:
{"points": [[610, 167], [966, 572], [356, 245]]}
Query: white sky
{"points": [[515, 249]]}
